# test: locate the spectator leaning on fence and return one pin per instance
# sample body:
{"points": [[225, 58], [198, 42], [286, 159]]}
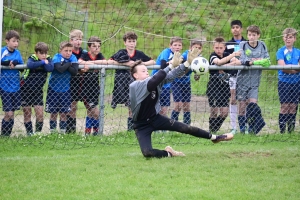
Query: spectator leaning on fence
{"points": [[75, 84], [164, 59], [90, 83], [288, 81], [218, 90], [123, 78], [145, 106], [58, 96], [233, 46], [253, 52], [10, 81], [181, 88], [32, 83]]}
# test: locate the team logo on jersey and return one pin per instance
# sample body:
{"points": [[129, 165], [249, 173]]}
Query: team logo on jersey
{"points": [[153, 94], [248, 52], [288, 57]]}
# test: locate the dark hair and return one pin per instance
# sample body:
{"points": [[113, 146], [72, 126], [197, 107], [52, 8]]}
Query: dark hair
{"points": [[130, 35], [175, 39], [93, 39], [195, 41], [236, 22], [219, 40], [12, 34], [65, 44], [41, 47], [133, 67]]}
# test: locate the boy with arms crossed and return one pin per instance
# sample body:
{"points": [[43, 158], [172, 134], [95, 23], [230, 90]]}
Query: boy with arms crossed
{"points": [[181, 88], [10, 81], [32, 83], [145, 106], [218, 90], [90, 84], [164, 59], [58, 96], [123, 78], [288, 81], [232, 46], [253, 52]]}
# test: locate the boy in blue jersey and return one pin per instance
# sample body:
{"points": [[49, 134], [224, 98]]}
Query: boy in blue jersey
{"points": [[90, 84], [253, 52], [288, 81], [181, 88], [32, 83], [145, 106], [58, 98], [10, 81], [164, 59], [232, 46], [123, 78]]}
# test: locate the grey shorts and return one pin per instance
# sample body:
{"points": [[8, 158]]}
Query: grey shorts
{"points": [[244, 92]]}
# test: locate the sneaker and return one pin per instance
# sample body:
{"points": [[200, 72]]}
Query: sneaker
{"points": [[233, 131], [173, 152], [224, 137]]}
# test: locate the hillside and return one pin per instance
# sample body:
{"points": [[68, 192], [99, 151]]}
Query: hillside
{"points": [[154, 21]]}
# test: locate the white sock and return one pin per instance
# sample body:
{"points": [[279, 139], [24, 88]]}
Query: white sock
{"points": [[213, 137], [233, 115]]}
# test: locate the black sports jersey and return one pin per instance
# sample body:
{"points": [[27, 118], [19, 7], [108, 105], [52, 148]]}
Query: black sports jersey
{"points": [[122, 56], [212, 57], [78, 53]]}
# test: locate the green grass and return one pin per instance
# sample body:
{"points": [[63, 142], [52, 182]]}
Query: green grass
{"points": [[256, 170]]}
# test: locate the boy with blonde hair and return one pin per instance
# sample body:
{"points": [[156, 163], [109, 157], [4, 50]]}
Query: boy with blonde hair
{"points": [[288, 81]]}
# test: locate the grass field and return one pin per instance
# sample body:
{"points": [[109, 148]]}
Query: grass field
{"points": [[248, 167]]}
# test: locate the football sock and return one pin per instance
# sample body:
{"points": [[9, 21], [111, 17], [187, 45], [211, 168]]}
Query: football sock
{"points": [[219, 122], [129, 124], [88, 125], [62, 126], [233, 116], [282, 119], [175, 115], [242, 123], [4, 128], [38, 126], [69, 124], [291, 122], [53, 125], [187, 117], [95, 126], [28, 127]]}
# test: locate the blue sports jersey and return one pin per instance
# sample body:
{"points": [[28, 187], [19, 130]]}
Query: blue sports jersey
{"points": [[60, 82], [290, 58], [187, 77], [10, 78], [166, 55]]}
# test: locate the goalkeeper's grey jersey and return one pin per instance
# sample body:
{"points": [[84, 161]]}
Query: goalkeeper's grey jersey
{"points": [[138, 91], [249, 53]]}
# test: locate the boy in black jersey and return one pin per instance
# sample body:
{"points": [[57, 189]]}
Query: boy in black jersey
{"points": [[218, 90], [123, 78], [144, 103], [75, 84], [90, 84], [32, 83]]}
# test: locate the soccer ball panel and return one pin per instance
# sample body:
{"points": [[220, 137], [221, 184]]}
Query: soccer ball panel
{"points": [[200, 65]]}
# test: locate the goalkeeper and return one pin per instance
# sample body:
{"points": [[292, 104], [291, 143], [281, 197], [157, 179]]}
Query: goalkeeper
{"points": [[253, 52], [144, 95]]}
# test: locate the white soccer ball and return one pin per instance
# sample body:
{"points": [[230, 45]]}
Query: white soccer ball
{"points": [[200, 65]]}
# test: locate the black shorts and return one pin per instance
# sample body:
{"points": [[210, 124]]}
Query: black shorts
{"points": [[76, 87], [32, 96], [90, 90], [218, 92]]}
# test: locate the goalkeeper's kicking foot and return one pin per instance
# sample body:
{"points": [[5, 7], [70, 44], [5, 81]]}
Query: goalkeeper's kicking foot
{"points": [[173, 152], [224, 137]]}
